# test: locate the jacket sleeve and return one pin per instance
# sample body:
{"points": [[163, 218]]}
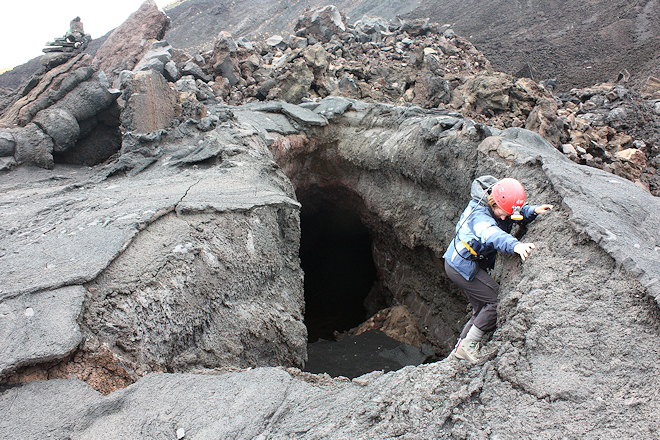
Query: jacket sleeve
{"points": [[529, 214], [485, 229]]}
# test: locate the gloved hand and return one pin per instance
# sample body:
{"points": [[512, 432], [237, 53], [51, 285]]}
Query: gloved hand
{"points": [[523, 249]]}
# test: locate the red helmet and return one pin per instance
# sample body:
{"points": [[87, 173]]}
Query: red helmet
{"points": [[509, 195]]}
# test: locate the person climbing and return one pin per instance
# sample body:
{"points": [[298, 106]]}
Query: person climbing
{"points": [[482, 230]]}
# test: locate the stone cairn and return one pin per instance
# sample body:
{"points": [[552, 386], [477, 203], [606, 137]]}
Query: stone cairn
{"points": [[61, 49]]}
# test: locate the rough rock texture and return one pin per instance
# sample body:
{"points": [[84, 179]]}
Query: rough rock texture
{"points": [[564, 361], [51, 88], [407, 62], [192, 265], [180, 254], [151, 104], [33, 147], [68, 114], [539, 40], [126, 45], [40, 327], [421, 63]]}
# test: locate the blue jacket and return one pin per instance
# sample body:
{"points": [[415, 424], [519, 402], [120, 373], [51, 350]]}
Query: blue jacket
{"points": [[485, 234]]}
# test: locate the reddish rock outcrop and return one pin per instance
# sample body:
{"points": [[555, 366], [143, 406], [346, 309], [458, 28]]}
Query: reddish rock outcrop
{"points": [[129, 42], [151, 103]]}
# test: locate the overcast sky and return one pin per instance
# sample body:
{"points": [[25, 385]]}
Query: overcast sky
{"points": [[26, 25]]}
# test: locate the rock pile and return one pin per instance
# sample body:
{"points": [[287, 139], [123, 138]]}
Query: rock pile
{"points": [[408, 63], [414, 63], [610, 127], [74, 41]]}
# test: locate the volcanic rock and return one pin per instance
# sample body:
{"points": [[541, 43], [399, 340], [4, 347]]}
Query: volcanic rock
{"points": [[321, 23], [43, 327], [51, 88], [216, 323], [195, 232], [128, 43], [7, 143], [228, 226], [62, 49], [34, 147], [150, 103]]}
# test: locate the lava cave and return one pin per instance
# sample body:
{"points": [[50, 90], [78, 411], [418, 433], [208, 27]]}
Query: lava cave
{"points": [[335, 255]]}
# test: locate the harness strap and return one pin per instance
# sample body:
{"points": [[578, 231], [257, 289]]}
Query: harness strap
{"points": [[469, 248]]}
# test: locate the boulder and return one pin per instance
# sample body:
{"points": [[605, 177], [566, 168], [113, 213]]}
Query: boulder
{"points": [[129, 42], [171, 71], [633, 155], [277, 41], [372, 25], [192, 68], [294, 84], [316, 58], [7, 143], [39, 328], [488, 92], [150, 103], [187, 84], [34, 147], [156, 58], [60, 125], [415, 27], [297, 42], [321, 23], [543, 120]]}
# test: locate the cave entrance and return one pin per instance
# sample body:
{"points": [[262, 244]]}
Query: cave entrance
{"points": [[335, 254], [342, 288]]}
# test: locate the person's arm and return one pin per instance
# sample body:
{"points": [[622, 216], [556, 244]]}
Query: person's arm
{"points": [[524, 249], [530, 212], [543, 209], [488, 232]]}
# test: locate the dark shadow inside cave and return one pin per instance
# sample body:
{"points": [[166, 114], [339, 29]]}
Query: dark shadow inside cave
{"points": [[335, 254], [340, 274]]}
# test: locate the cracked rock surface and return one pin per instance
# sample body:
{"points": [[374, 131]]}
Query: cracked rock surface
{"points": [[210, 246], [175, 262]]}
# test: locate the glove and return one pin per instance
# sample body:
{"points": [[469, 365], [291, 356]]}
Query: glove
{"points": [[523, 249]]}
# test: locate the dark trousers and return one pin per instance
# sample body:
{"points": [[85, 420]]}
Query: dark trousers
{"points": [[482, 293]]}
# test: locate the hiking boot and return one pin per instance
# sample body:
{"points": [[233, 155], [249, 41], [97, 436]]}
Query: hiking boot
{"points": [[468, 349]]}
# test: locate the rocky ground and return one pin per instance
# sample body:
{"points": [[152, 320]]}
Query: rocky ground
{"points": [[193, 206], [577, 43], [608, 126], [564, 361]]}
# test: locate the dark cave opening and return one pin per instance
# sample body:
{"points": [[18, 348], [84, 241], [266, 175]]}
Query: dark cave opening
{"points": [[335, 255], [343, 288]]}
